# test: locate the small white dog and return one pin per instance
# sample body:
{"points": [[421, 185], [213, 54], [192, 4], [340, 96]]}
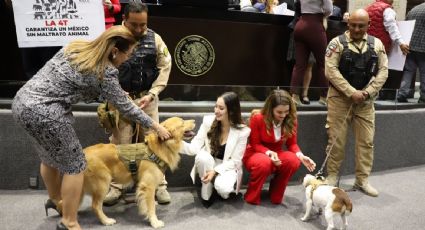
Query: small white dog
{"points": [[334, 201]]}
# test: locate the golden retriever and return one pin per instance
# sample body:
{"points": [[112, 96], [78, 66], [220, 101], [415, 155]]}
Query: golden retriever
{"points": [[104, 165]]}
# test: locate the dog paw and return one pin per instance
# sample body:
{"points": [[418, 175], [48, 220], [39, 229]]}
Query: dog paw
{"points": [[304, 219], [157, 224], [109, 221]]}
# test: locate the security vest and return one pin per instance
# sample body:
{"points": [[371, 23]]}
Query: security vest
{"points": [[139, 72], [358, 68], [377, 28]]}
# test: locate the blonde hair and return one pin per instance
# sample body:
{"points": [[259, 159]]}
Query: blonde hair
{"points": [[276, 98], [269, 6], [92, 57]]}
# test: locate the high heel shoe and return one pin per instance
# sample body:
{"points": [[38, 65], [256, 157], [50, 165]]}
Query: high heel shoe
{"points": [[61, 226], [305, 100], [50, 204]]}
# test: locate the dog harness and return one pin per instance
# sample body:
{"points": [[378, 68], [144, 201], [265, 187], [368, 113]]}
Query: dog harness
{"points": [[314, 185], [132, 154]]}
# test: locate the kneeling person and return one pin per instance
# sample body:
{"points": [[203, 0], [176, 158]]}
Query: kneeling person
{"points": [[219, 146]]}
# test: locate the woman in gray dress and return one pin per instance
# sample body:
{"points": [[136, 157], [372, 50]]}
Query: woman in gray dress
{"points": [[81, 71]]}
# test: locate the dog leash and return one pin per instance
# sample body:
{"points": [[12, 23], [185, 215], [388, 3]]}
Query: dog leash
{"points": [[319, 174]]}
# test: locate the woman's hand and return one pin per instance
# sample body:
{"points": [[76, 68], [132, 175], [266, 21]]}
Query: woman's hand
{"points": [[275, 159], [208, 176], [308, 163], [163, 133]]}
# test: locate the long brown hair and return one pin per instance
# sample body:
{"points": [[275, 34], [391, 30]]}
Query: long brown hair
{"points": [[92, 57], [276, 98], [231, 100]]}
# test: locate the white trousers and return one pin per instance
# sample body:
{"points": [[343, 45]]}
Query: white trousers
{"points": [[224, 183]]}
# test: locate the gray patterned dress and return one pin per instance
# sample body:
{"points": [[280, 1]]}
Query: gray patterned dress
{"points": [[43, 107]]}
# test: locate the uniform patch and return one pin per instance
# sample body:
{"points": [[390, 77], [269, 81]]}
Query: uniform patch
{"points": [[165, 51], [331, 49]]}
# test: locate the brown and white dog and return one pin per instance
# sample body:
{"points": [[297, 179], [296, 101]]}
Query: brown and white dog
{"points": [[104, 165], [334, 201]]}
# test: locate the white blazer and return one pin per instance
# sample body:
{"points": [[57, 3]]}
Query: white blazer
{"points": [[233, 153]]}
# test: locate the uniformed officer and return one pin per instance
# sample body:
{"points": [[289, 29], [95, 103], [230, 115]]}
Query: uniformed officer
{"points": [[144, 75], [357, 68]]}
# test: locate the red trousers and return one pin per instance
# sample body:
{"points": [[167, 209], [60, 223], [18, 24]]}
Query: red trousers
{"points": [[260, 166]]}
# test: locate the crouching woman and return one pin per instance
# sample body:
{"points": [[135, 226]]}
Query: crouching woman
{"points": [[219, 146], [273, 126]]}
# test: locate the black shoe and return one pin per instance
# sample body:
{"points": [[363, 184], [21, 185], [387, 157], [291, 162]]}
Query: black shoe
{"points": [[234, 196], [61, 226], [305, 100], [402, 99], [50, 204], [209, 202]]}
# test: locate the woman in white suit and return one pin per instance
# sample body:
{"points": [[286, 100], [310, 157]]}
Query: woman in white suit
{"points": [[219, 147]]}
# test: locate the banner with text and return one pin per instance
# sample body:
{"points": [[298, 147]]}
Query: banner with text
{"points": [[42, 23]]}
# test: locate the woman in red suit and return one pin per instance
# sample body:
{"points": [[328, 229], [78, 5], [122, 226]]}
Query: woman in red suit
{"points": [[274, 126]]}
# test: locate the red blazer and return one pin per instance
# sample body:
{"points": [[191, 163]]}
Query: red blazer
{"points": [[260, 141], [109, 17]]}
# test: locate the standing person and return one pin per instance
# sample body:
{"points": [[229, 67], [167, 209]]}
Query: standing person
{"points": [[110, 8], [416, 58], [144, 75], [313, 13], [219, 146], [274, 126], [291, 57], [383, 25], [307, 76], [357, 67], [82, 71]]}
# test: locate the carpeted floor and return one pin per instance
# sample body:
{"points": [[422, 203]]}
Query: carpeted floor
{"points": [[400, 205]]}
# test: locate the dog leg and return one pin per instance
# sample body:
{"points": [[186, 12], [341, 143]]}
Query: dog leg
{"points": [[344, 221], [309, 206], [329, 214], [146, 200], [97, 205]]}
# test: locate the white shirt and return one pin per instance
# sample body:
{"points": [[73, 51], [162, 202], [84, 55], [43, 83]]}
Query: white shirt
{"points": [[390, 25], [277, 129]]}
